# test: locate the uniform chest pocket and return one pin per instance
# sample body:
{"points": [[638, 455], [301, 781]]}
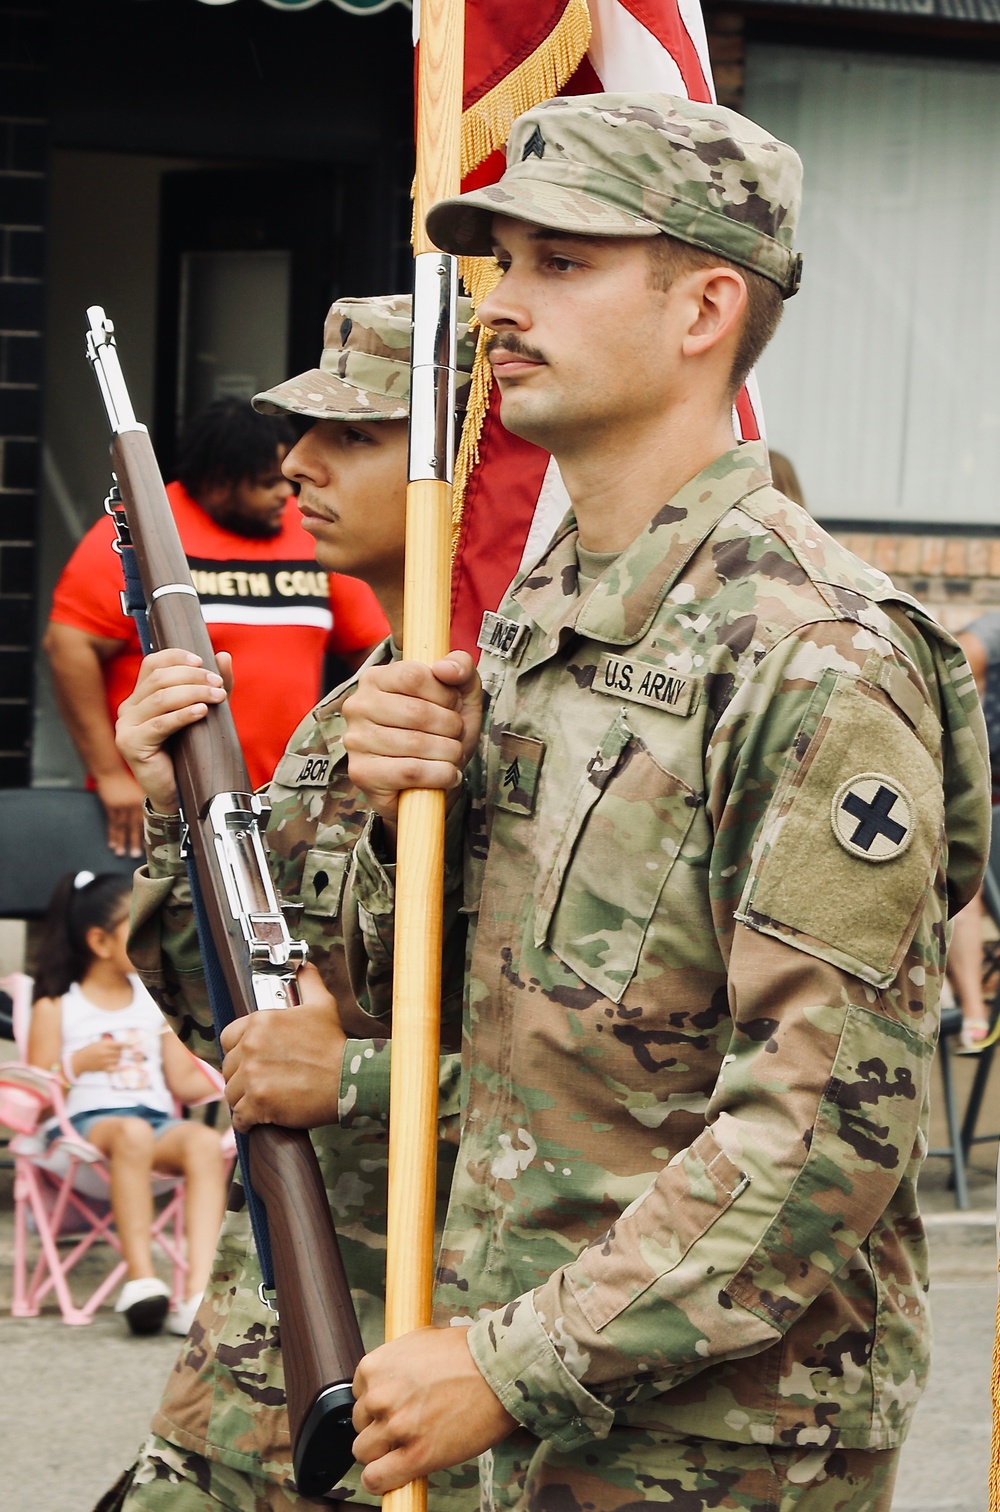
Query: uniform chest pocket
{"points": [[323, 882], [623, 832]]}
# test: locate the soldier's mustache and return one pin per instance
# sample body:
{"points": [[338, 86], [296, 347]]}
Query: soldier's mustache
{"points": [[508, 342]]}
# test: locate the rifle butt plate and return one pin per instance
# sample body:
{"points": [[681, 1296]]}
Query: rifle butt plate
{"points": [[322, 1455]]}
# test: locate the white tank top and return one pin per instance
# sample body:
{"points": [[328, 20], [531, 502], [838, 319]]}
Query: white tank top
{"points": [[138, 1077]]}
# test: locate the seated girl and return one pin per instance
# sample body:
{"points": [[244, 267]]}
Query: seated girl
{"points": [[94, 1024]]}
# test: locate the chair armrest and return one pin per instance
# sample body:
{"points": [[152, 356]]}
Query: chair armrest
{"points": [[215, 1079], [25, 1092]]}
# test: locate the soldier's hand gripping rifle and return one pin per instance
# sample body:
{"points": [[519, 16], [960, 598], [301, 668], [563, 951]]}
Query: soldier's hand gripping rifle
{"points": [[255, 956]]}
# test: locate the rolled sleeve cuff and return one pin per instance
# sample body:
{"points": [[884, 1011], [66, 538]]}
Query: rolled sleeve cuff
{"points": [[364, 1083], [522, 1367], [374, 878], [374, 875], [162, 837]]}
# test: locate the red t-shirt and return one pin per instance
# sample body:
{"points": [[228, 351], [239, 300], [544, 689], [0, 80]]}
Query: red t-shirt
{"points": [[265, 601]]}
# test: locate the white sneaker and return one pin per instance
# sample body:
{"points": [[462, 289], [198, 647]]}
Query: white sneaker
{"points": [[180, 1318], [144, 1303]]}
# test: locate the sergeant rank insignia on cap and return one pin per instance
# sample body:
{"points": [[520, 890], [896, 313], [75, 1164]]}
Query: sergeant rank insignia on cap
{"points": [[534, 146], [873, 817]]}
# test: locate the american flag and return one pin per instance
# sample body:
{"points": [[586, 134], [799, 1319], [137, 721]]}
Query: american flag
{"points": [[517, 53]]}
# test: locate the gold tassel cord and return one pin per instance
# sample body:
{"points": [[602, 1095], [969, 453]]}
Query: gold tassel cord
{"points": [[486, 124], [485, 127], [472, 428], [480, 276]]}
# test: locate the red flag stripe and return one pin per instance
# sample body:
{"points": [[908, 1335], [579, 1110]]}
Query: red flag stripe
{"points": [[665, 24]]}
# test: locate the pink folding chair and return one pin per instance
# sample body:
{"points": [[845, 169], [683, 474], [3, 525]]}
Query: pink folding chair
{"points": [[62, 1186]]}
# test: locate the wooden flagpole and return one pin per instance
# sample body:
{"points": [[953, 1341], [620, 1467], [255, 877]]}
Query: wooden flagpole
{"points": [[426, 616]]}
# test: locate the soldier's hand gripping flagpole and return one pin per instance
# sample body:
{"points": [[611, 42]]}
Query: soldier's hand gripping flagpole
{"points": [[426, 638]]}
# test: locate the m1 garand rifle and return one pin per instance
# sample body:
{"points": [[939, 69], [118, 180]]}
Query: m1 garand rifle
{"points": [[256, 956]]}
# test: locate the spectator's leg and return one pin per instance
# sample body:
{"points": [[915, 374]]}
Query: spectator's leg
{"points": [[965, 972], [194, 1151], [128, 1144]]}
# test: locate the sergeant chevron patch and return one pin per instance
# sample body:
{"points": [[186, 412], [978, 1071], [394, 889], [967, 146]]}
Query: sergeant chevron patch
{"points": [[873, 817]]}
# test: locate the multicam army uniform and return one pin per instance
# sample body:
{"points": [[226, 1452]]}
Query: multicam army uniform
{"points": [[729, 788], [223, 1410], [725, 796]]}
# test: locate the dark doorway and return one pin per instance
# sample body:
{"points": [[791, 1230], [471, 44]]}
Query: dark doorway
{"points": [[249, 263]]}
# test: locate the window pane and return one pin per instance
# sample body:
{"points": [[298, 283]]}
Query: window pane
{"points": [[234, 318], [881, 383]]}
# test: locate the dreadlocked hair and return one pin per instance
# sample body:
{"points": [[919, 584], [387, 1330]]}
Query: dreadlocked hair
{"points": [[80, 902], [670, 258], [228, 442]]}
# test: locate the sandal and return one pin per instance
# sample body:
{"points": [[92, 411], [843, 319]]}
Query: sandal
{"points": [[973, 1036]]}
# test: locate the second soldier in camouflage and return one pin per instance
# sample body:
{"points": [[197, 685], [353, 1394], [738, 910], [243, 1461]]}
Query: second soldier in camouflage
{"points": [[220, 1436]]}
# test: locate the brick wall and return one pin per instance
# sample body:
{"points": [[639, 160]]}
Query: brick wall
{"points": [[957, 577], [726, 49], [23, 157]]}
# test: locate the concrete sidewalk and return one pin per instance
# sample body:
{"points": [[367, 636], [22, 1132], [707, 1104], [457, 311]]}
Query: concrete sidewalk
{"points": [[77, 1401]]}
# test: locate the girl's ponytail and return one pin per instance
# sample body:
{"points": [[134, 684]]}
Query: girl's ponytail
{"points": [[80, 902]]}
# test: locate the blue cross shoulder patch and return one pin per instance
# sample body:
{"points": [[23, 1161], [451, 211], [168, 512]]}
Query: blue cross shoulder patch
{"points": [[873, 817]]}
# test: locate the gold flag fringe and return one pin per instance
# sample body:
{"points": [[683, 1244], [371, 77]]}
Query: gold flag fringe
{"points": [[485, 127], [486, 124]]}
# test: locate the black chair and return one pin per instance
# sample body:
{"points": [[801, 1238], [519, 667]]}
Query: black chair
{"points": [[951, 1028], [45, 832]]}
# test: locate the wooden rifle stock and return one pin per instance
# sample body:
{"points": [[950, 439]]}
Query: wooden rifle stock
{"points": [[320, 1340]]}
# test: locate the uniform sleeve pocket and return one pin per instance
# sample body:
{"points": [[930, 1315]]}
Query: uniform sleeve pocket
{"points": [[623, 833], [864, 803], [639, 1248], [863, 1137]]}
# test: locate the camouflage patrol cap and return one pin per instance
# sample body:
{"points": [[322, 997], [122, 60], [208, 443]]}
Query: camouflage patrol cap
{"points": [[635, 165], [364, 372]]}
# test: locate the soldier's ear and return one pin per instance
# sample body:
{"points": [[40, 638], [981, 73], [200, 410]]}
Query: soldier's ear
{"points": [[719, 298]]}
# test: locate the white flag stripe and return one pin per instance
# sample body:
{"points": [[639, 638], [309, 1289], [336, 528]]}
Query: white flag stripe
{"points": [[628, 57], [553, 504], [238, 614], [694, 25]]}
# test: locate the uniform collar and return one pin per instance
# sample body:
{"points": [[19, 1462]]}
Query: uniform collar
{"points": [[621, 604]]}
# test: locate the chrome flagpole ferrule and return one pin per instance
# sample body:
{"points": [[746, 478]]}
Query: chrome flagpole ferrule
{"points": [[432, 374]]}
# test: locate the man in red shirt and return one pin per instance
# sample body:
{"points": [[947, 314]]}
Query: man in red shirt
{"points": [[262, 594]]}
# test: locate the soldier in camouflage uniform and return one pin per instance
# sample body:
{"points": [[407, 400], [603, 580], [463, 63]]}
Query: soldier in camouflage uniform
{"points": [[220, 1436], [729, 788]]}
